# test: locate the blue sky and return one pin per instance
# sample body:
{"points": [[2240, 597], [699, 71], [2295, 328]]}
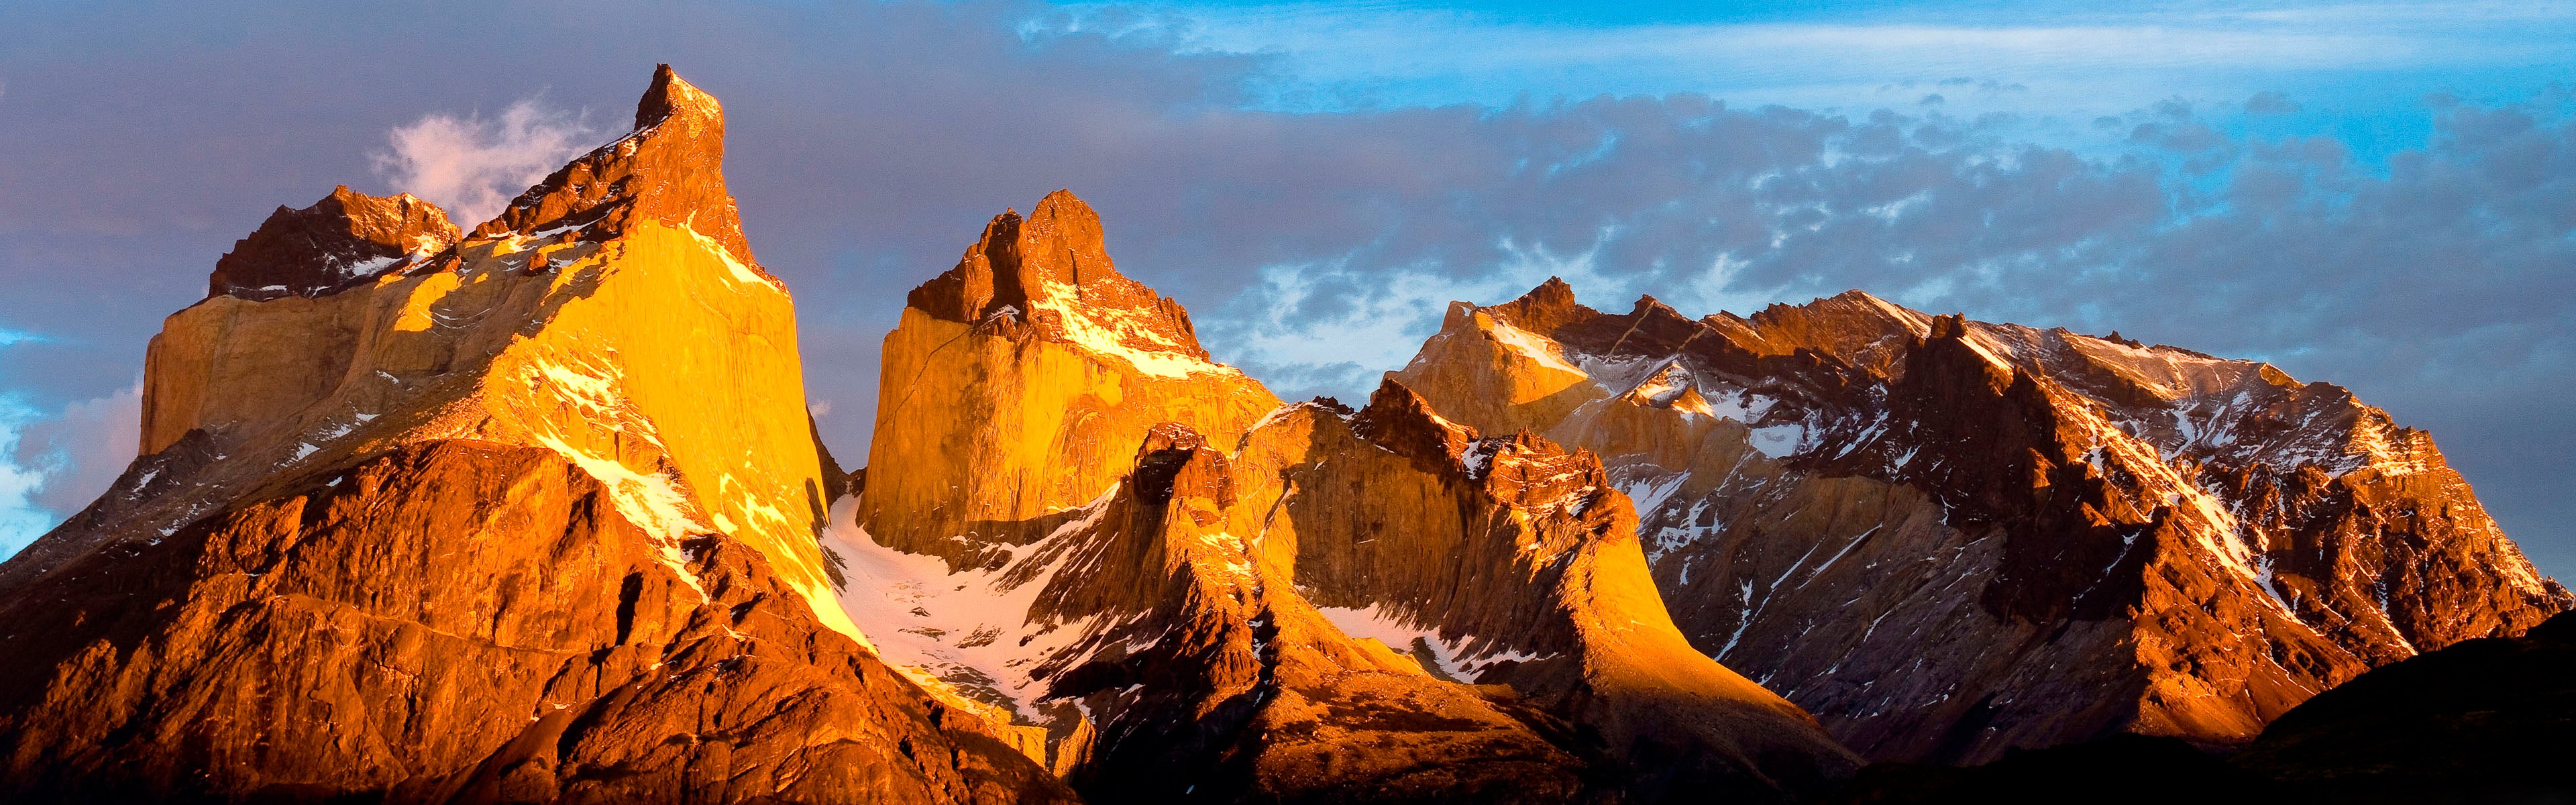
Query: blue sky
{"points": [[2356, 71], [2381, 195]]}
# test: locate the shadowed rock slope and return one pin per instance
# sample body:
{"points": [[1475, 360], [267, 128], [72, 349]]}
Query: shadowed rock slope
{"points": [[1074, 517], [1948, 538], [530, 516], [2485, 720]]}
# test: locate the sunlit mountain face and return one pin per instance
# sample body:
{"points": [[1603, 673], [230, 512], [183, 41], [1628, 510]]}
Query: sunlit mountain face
{"points": [[2117, 404]]}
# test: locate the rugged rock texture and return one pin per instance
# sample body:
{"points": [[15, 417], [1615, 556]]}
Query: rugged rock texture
{"points": [[1948, 538], [1018, 384], [1343, 607], [668, 172], [534, 520], [344, 239], [1509, 560], [327, 635]]}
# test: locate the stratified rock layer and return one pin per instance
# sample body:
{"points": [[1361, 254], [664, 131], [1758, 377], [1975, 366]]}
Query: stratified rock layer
{"points": [[1343, 607], [533, 519], [1949, 538]]}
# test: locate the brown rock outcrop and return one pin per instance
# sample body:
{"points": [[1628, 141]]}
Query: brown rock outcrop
{"points": [[345, 239], [457, 621], [1343, 607], [1948, 538], [669, 171], [1019, 383], [534, 521]]}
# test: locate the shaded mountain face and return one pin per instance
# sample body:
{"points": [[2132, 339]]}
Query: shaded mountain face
{"points": [[1074, 519], [1948, 538], [2484, 720], [343, 240], [528, 516]]}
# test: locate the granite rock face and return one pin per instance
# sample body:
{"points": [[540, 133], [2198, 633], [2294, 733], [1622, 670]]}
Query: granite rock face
{"points": [[1948, 538], [533, 519], [1018, 384], [1076, 519]]}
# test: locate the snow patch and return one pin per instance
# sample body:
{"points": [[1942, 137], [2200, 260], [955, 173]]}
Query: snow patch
{"points": [[1399, 634], [967, 629], [1778, 441], [1521, 342]]}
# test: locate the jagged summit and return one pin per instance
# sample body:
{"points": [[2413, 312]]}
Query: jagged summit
{"points": [[2136, 538], [344, 239], [1051, 272], [669, 95], [669, 170], [520, 524], [1019, 383], [1544, 308], [1403, 423]]}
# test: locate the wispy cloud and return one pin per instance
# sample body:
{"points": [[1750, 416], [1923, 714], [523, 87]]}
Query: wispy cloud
{"points": [[2076, 60], [472, 165]]}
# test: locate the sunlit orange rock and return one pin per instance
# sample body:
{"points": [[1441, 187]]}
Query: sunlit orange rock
{"points": [[531, 518], [1949, 538], [1072, 516], [1019, 383]]}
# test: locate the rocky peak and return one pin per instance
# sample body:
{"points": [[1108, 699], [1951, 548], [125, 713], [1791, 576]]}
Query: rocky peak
{"points": [[1529, 471], [1051, 270], [1402, 422], [2019, 476], [344, 239], [669, 97], [1544, 309], [1175, 461], [670, 170]]}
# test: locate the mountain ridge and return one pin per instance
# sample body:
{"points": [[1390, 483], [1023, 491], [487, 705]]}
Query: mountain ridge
{"points": [[1949, 433], [535, 511], [473, 528]]}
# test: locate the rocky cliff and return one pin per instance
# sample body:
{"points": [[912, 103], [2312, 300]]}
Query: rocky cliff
{"points": [[529, 515], [1018, 384], [1253, 602], [1948, 538]]}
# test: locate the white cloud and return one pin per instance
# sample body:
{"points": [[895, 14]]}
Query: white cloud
{"points": [[471, 165], [51, 466]]}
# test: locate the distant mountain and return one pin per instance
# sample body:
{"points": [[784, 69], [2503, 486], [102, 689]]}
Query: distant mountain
{"points": [[1071, 514], [534, 512], [525, 515], [1949, 538]]}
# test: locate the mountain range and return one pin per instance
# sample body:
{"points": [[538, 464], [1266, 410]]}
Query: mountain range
{"points": [[535, 512]]}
